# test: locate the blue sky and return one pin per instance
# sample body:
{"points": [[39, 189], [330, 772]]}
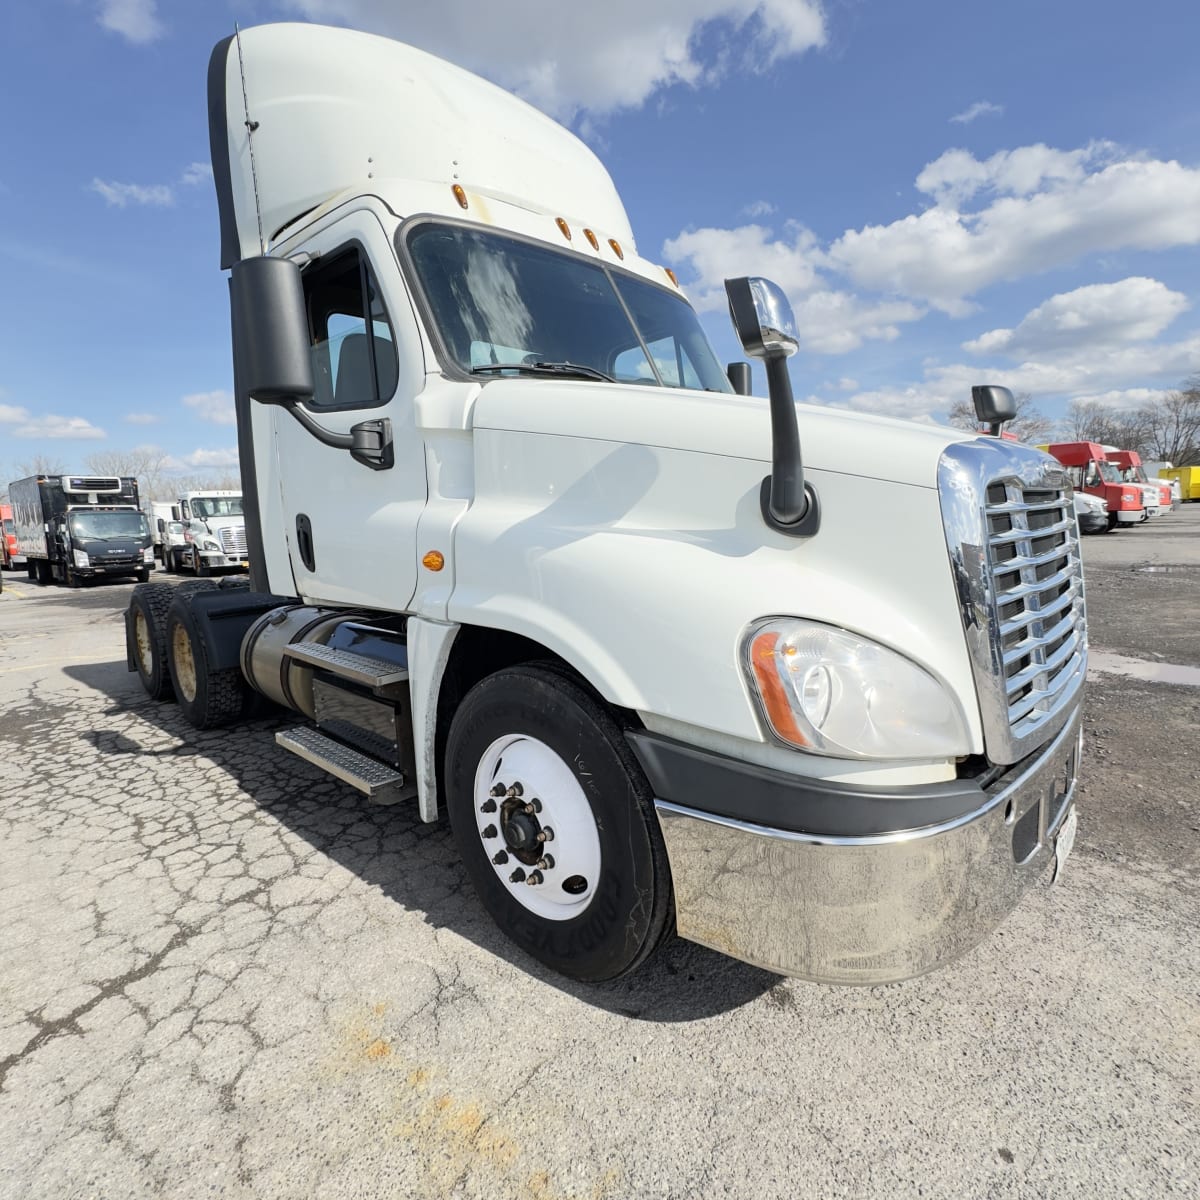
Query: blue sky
{"points": [[950, 192]]}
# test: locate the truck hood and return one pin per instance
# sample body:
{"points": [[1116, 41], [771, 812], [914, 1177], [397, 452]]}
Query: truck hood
{"points": [[713, 423]]}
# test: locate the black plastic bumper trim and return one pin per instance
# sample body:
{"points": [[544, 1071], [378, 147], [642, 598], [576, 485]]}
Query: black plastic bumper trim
{"points": [[726, 787]]}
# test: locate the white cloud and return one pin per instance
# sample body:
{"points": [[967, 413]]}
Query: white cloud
{"points": [[196, 173], [118, 195], [10, 413], [1086, 205], [1125, 398], [202, 460], [981, 108], [142, 418], [1088, 320], [828, 321], [216, 407], [536, 48], [846, 385], [52, 426], [136, 20], [758, 208]]}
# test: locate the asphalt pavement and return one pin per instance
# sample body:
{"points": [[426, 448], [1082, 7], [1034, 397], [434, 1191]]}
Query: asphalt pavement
{"points": [[225, 974]]}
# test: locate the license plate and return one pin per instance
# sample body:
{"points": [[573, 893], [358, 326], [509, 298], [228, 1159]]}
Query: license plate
{"points": [[1064, 842]]}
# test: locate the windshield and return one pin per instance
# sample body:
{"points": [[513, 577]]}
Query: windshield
{"points": [[85, 524], [217, 506], [1111, 473], [502, 302], [8, 525]]}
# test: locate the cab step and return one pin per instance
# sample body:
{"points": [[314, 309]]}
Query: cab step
{"points": [[379, 782], [375, 673]]}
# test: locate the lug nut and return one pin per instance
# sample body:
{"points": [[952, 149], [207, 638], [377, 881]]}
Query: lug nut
{"points": [[546, 862], [535, 877], [518, 876], [515, 791], [499, 790], [546, 835], [534, 806], [500, 857], [488, 806], [489, 831]]}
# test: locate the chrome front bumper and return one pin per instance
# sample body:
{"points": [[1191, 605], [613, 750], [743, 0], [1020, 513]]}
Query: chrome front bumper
{"points": [[875, 909]]}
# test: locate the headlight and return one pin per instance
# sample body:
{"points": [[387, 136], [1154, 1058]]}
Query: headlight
{"points": [[81, 558], [148, 554], [209, 544], [832, 692]]}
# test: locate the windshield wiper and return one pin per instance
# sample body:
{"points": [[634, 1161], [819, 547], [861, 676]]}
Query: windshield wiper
{"points": [[576, 370]]}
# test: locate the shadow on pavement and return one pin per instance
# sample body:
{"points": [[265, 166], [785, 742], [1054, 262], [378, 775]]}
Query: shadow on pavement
{"points": [[414, 864]]}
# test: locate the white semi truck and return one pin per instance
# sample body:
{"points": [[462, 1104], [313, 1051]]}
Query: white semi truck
{"points": [[522, 554], [213, 537]]}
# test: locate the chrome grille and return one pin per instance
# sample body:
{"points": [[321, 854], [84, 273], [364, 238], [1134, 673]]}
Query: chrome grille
{"points": [[1014, 545], [233, 541]]}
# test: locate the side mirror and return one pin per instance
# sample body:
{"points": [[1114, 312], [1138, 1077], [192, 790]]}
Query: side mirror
{"points": [[766, 327], [175, 512], [993, 406], [270, 330], [762, 317]]}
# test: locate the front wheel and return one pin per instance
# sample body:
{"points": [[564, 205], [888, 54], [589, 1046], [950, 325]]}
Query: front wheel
{"points": [[555, 824]]}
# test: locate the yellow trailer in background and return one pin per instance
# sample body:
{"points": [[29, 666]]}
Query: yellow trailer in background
{"points": [[1189, 481]]}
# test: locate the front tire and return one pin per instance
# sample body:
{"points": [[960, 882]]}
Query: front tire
{"points": [[207, 698], [531, 752]]}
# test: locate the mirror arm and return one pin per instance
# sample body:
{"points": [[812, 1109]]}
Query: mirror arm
{"points": [[369, 442], [789, 505]]}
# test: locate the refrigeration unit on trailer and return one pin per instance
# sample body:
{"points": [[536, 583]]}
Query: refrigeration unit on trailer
{"points": [[73, 528], [521, 554]]}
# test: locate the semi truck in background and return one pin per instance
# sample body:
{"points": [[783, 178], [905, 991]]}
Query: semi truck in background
{"points": [[73, 528], [1093, 473], [213, 537], [10, 556], [520, 554]]}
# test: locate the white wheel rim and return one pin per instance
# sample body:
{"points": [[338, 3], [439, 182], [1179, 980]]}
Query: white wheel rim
{"points": [[572, 843]]}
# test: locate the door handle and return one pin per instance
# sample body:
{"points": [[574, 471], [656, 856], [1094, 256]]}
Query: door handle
{"points": [[304, 542]]}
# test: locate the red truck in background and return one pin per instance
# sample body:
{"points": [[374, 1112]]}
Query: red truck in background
{"points": [[1130, 463], [1093, 473], [9, 558]]}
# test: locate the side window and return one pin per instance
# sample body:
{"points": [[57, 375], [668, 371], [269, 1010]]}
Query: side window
{"points": [[353, 350]]}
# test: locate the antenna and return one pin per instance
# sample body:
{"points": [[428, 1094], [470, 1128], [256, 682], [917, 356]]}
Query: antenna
{"points": [[251, 126]]}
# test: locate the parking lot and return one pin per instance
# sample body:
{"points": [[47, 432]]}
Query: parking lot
{"points": [[225, 974]]}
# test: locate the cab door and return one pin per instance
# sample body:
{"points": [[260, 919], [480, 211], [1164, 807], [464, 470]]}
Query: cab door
{"points": [[351, 529]]}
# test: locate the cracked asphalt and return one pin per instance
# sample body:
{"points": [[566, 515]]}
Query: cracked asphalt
{"points": [[224, 974]]}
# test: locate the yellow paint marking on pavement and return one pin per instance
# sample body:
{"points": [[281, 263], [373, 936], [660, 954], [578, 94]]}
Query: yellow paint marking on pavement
{"points": [[45, 662], [12, 591]]}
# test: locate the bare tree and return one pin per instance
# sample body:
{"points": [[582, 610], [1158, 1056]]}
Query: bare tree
{"points": [[1088, 421], [1030, 425], [145, 463], [40, 464], [1172, 426]]}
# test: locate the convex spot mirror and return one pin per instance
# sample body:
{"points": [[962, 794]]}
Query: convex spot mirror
{"points": [[762, 317], [993, 405], [270, 330]]}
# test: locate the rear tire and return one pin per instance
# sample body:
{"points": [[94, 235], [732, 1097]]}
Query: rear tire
{"points": [[149, 605], [603, 904], [207, 698]]}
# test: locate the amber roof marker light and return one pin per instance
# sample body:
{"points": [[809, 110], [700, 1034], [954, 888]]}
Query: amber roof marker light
{"points": [[563, 227], [459, 195]]}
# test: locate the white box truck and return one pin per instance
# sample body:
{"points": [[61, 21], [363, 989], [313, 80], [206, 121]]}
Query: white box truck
{"points": [[520, 552]]}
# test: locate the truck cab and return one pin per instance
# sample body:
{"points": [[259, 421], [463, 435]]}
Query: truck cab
{"points": [[10, 556], [521, 553], [1092, 472], [214, 533], [1155, 491]]}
